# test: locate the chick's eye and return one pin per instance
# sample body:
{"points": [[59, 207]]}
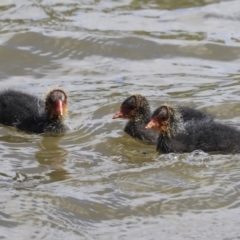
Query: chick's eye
{"points": [[163, 118], [128, 106], [131, 107]]}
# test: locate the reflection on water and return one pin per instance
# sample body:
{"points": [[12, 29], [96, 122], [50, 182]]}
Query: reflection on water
{"points": [[52, 155], [96, 181]]}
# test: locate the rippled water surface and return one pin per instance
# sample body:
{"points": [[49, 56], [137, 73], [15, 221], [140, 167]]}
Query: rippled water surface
{"points": [[96, 182]]}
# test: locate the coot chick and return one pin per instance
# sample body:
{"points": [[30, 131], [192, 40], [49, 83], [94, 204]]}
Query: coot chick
{"points": [[179, 137], [28, 113], [136, 109]]}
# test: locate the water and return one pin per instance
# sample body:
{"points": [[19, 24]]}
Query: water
{"points": [[96, 182]]}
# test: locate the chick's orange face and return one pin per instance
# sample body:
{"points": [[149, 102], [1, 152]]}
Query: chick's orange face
{"points": [[159, 120], [57, 103], [127, 109]]}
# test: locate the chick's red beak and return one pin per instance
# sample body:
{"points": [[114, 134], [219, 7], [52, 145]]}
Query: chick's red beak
{"points": [[151, 124], [59, 107], [118, 115]]}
